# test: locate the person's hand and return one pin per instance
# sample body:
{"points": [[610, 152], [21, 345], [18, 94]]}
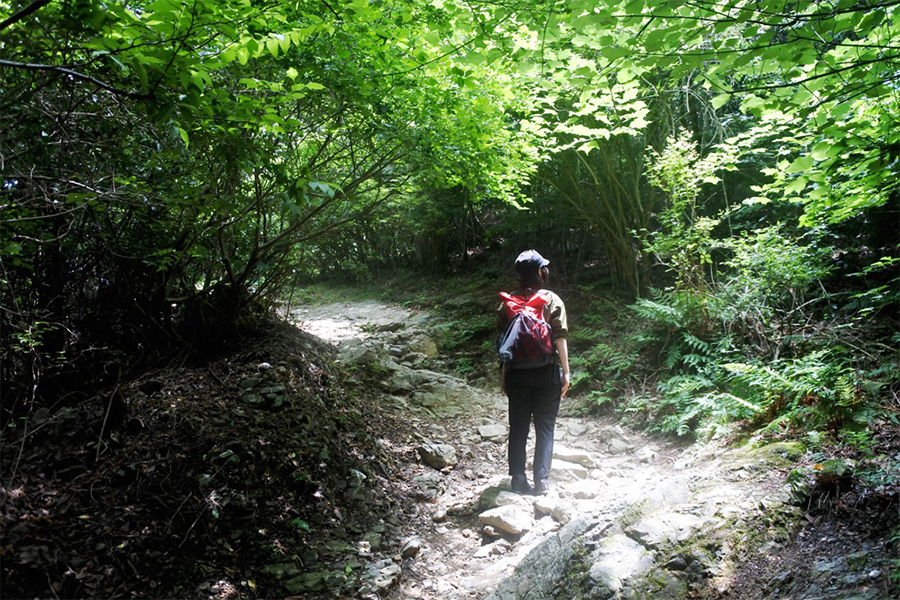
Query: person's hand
{"points": [[565, 384]]}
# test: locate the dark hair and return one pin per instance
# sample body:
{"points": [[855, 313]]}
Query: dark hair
{"points": [[533, 279]]}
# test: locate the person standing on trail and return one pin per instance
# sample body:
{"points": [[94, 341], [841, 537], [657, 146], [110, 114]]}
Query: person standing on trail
{"points": [[536, 383]]}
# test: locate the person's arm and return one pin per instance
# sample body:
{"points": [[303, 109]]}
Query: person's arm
{"points": [[562, 350]]}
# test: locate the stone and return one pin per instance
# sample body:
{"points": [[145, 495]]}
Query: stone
{"points": [[563, 514], [661, 530], [413, 359], [374, 539], [646, 454], [439, 516], [567, 471], [620, 558], [438, 455], [585, 490], [488, 497], [357, 353], [579, 457], [425, 346], [282, 570], [544, 505], [576, 429], [505, 498], [493, 433], [411, 548], [428, 487], [538, 574], [491, 532], [511, 519], [495, 549], [619, 446], [385, 576]]}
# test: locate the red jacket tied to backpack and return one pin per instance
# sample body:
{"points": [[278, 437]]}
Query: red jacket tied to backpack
{"points": [[527, 341]]}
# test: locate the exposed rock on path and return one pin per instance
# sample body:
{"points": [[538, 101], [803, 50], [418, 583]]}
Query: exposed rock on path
{"points": [[627, 516]]}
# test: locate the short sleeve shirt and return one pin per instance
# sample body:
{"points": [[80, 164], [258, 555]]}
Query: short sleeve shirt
{"points": [[556, 310]]}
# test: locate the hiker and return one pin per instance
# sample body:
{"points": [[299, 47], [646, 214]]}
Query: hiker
{"points": [[534, 384]]}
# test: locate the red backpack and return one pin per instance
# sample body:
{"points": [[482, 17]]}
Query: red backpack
{"points": [[528, 340]]}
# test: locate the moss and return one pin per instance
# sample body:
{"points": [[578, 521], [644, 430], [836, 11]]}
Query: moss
{"points": [[779, 453]]}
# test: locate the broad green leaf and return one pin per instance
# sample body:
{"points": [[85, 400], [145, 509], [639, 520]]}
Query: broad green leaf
{"points": [[801, 164], [719, 101], [825, 150], [184, 136], [796, 186], [272, 46]]}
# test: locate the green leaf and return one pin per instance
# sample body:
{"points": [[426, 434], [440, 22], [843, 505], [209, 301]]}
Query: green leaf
{"points": [[272, 46], [719, 101], [825, 149], [613, 53], [243, 55], [797, 185], [801, 164]]}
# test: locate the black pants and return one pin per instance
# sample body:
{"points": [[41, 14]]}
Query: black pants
{"points": [[533, 394]]}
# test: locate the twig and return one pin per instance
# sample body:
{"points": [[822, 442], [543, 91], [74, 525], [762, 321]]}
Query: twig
{"points": [[191, 528], [178, 510]]}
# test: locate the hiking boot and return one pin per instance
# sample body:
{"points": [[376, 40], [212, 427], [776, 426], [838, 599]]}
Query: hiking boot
{"points": [[541, 487], [520, 485]]}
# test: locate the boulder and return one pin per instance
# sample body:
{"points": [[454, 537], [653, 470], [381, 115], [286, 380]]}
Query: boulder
{"points": [[437, 456], [619, 559], [664, 529], [511, 519], [537, 575]]}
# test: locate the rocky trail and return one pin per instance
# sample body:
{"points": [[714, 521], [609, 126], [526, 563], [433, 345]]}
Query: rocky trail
{"points": [[627, 516]]}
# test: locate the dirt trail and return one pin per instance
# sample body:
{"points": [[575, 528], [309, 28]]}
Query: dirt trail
{"points": [[632, 503]]}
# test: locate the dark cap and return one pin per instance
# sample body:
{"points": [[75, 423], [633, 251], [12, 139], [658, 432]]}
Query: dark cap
{"points": [[530, 262]]}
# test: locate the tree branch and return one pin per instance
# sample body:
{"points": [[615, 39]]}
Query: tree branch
{"points": [[75, 74], [31, 8]]}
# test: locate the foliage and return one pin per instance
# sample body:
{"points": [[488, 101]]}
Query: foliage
{"points": [[166, 165], [602, 190], [678, 327], [603, 356], [824, 70], [683, 238], [819, 390], [769, 287]]}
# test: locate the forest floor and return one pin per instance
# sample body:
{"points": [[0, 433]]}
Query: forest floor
{"points": [[256, 474]]}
